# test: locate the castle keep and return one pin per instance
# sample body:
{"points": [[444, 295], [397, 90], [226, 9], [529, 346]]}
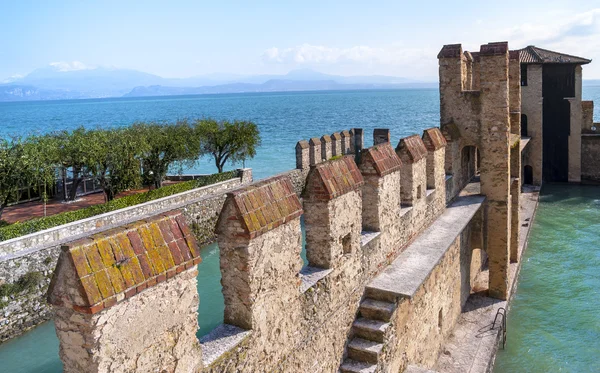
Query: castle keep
{"points": [[402, 239]]}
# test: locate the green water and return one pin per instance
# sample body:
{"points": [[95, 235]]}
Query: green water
{"points": [[554, 319], [37, 350]]}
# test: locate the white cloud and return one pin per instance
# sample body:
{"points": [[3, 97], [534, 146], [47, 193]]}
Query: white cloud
{"points": [[318, 54], [71, 66], [396, 59], [12, 78]]}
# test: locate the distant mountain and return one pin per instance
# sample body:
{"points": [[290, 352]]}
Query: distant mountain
{"points": [[13, 92], [273, 85], [54, 83]]}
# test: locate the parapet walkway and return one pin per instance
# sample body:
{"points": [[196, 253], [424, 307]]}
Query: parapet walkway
{"points": [[403, 278], [474, 341], [413, 266]]}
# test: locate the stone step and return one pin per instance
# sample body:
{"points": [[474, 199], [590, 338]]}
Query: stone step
{"points": [[363, 350], [417, 369], [373, 330], [377, 309], [381, 294], [353, 366]]}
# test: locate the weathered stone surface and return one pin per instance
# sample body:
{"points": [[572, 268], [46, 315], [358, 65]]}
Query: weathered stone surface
{"points": [[152, 331], [38, 252]]}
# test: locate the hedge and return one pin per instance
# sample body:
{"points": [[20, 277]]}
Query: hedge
{"points": [[19, 229]]}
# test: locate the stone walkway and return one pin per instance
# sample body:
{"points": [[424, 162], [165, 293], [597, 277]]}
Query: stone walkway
{"points": [[474, 342], [35, 209]]}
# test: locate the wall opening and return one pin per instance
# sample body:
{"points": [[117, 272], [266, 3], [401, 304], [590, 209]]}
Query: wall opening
{"points": [[523, 75], [347, 244], [419, 192], [469, 160], [524, 125], [528, 175], [440, 316]]}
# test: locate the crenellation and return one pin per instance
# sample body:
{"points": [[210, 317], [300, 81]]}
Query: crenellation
{"points": [[333, 188], [326, 147], [336, 144], [397, 240], [381, 136], [315, 151], [413, 153], [347, 147], [302, 154]]}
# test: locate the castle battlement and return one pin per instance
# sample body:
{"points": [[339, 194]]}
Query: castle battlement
{"points": [[398, 238]]}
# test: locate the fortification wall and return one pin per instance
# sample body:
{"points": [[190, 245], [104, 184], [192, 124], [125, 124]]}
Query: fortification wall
{"points": [[590, 154], [31, 259], [421, 324]]}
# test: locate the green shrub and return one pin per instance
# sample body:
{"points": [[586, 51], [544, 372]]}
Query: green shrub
{"points": [[27, 282], [35, 225]]}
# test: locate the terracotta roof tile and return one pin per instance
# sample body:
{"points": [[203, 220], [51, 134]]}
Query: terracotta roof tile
{"points": [[261, 207], [379, 160], [332, 179], [535, 55], [434, 139], [126, 260], [411, 149]]}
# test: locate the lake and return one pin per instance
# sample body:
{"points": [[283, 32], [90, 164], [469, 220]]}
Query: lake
{"points": [[283, 119]]}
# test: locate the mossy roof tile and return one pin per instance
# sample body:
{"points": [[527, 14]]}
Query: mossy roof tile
{"points": [[332, 179], [127, 260], [411, 149], [262, 206], [380, 160], [434, 139]]}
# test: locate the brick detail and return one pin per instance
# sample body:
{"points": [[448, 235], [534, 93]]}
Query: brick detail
{"points": [[434, 139], [121, 262], [332, 179], [261, 207], [379, 160], [411, 149]]}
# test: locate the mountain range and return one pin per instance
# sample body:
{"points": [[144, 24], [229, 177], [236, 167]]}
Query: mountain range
{"points": [[52, 83]]}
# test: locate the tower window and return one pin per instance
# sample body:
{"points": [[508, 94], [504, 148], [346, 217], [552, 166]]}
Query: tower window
{"points": [[523, 75]]}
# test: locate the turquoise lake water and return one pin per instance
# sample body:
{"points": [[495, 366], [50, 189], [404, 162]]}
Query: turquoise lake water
{"points": [[283, 119], [553, 322]]}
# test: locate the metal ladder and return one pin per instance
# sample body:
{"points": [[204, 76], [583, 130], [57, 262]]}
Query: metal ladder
{"points": [[501, 312]]}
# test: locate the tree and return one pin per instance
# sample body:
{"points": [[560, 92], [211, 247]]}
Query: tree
{"points": [[227, 141], [73, 151], [114, 160], [43, 156], [14, 170], [166, 146]]}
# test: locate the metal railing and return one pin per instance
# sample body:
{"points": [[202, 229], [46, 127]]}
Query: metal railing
{"points": [[501, 312]]}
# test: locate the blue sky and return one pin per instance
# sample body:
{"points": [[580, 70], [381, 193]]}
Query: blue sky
{"points": [[188, 38]]}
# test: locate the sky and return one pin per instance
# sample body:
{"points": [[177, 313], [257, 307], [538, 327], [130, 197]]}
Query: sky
{"points": [[178, 39]]}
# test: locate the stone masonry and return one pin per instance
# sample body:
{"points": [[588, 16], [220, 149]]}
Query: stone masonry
{"points": [[393, 256], [126, 300]]}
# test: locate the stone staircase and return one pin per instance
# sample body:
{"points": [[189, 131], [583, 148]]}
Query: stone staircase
{"points": [[368, 332]]}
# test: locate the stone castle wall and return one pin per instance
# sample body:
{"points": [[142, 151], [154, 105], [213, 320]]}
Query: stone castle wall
{"points": [[34, 257], [590, 156]]}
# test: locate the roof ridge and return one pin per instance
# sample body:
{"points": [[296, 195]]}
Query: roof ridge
{"points": [[564, 54]]}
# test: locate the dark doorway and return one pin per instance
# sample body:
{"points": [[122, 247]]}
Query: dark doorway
{"points": [[523, 125], [558, 83], [528, 175]]}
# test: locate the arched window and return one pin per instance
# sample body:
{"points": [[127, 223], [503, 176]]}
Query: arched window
{"points": [[524, 125]]}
